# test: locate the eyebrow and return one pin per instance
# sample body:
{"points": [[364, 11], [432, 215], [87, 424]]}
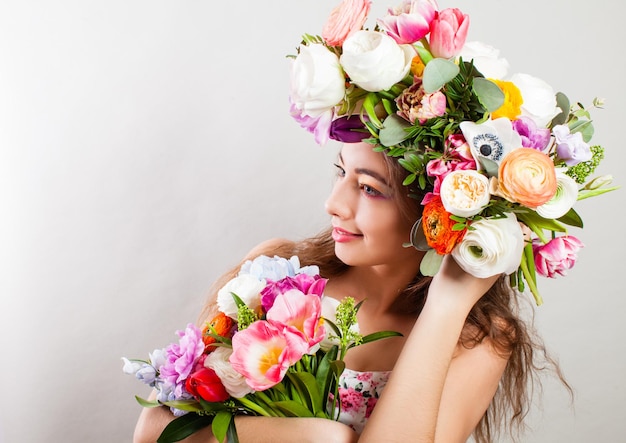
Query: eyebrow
{"points": [[369, 172]]}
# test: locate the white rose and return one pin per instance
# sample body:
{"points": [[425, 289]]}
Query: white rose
{"points": [[539, 99], [564, 198], [317, 81], [374, 61], [247, 287], [464, 192], [233, 381], [493, 247], [486, 59]]}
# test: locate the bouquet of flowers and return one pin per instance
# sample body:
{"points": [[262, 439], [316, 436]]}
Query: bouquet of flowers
{"points": [[275, 348], [498, 160]]}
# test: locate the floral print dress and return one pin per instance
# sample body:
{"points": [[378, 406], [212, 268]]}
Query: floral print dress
{"points": [[358, 393]]}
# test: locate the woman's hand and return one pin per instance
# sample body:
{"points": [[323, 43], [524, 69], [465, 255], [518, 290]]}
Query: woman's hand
{"points": [[453, 285]]}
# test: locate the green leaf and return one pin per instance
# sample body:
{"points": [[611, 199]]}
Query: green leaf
{"points": [[220, 425], [424, 54], [369, 104], [379, 335], [572, 218], [324, 376], [232, 433], [184, 426], [430, 263], [393, 130], [185, 405], [488, 93], [293, 409], [307, 387], [147, 403], [437, 73]]}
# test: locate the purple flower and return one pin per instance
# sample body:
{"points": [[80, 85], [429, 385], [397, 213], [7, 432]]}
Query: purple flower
{"points": [[318, 126], [571, 148], [307, 284], [180, 360], [531, 135], [348, 129]]}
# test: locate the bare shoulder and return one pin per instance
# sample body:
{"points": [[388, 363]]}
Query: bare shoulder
{"points": [[273, 246]]}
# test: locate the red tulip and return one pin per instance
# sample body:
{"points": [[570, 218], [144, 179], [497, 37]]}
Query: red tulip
{"points": [[205, 384]]}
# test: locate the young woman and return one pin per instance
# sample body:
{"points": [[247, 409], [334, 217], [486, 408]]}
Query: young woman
{"points": [[465, 362]]}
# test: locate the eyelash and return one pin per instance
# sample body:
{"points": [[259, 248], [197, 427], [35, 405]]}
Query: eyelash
{"points": [[370, 191]]}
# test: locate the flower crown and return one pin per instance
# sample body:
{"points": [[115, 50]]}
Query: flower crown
{"points": [[501, 159]]}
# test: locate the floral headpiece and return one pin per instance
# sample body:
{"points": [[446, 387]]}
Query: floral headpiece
{"points": [[500, 159]]}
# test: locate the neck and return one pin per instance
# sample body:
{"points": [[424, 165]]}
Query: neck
{"points": [[379, 285]]}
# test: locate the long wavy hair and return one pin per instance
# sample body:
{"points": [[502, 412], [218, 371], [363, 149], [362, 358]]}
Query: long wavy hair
{"points": [[497, 316]]}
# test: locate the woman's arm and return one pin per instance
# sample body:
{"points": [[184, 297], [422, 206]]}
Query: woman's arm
{"points": [[152, 421], [430, 396]]}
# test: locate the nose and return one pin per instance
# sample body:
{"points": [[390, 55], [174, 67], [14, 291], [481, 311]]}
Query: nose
{"points": [[338, 203]]}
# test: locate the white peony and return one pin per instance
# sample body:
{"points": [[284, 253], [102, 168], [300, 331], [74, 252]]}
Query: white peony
{"points": [[374, 61], [317, 80], [539, 99], [493, 247], [233, 381], [464, 192], [564, 199], [486, 59], [247, 287]]}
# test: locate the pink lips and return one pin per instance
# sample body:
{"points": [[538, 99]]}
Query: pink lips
{"points": [[341, 236]]}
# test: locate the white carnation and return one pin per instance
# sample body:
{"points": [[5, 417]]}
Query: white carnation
{"points": [[233, 381]]}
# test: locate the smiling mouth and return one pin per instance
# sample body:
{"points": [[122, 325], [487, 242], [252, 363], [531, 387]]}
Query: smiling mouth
{"points": [[343, 236]]}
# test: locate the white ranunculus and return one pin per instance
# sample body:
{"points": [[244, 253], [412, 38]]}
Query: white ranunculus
{"points": [[486, 59], [565, 197], [493, 247], [247, 287], [539, 99], [233, 381], [464, 192], [374, 61], [317, 80]]}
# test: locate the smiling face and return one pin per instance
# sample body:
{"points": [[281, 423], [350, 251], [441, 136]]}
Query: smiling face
{"points": [[369, 227]]}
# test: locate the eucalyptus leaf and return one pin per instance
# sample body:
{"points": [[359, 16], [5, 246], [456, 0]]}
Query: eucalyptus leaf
{"points": [[437, 73], [394, 130], [183, 426], [563, 104], [430, 263], [488, 93]]}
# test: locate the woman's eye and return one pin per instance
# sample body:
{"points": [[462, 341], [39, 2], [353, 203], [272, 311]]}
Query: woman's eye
{"points": [[372, 192], [340, 171]]}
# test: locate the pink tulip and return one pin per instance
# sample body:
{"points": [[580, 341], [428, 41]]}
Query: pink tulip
{"points": [[345, 20], [409, 22], [448, 32], [300, 313], [556, 256], [262, 353]]}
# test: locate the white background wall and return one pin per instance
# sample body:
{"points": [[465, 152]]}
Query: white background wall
{"points": [[145, 146]]}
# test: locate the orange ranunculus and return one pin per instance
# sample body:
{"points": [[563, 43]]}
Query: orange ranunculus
{"points": [[528, 177], [512, 106], [437, 227], [223, 326]]}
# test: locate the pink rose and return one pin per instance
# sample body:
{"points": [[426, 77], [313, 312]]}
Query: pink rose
{"points": [[556, 256], [347, 18], [448, 32], [410, 22]]}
